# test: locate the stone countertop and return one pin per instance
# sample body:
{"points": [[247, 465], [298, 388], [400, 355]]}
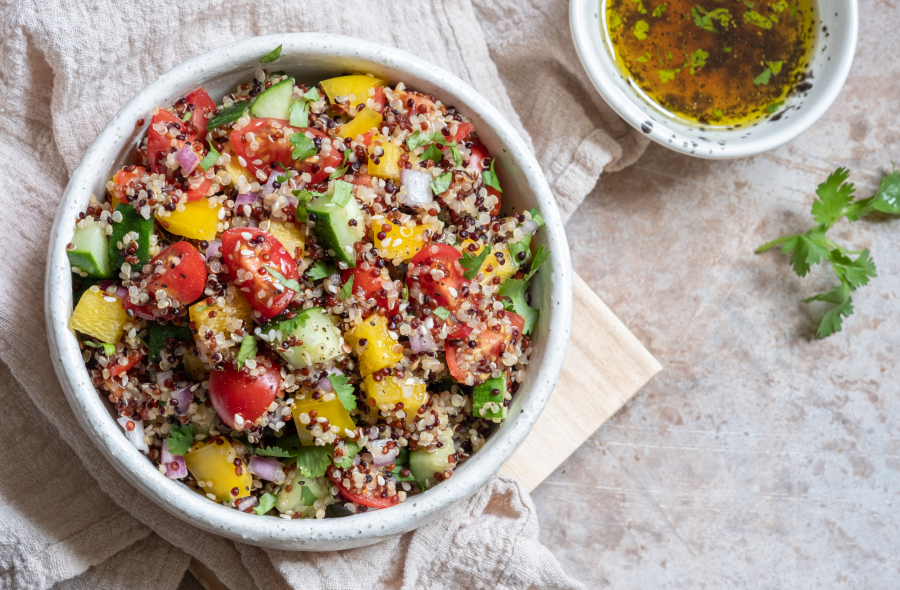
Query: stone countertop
{"points": [[761, 457]]}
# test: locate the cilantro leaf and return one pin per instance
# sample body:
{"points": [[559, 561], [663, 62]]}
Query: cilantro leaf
{"points": [[273, 452], [343, 391], [433, 153], [489, 178], [272, 56], [338, 172], [657, 12], [537, 217], [540, 257], [855, 273], [313, 461], [303, 146], [248, 350], [180, 438], [320, 270], [187, 116], [454, 151], [398, 475], [515, 289], [405, 291], [773, 108], [342, 193], [755, 18], [108, 349], [473, 263], [887, 198], [209, 159], [418, 139], [640, 30], [400, 462], [806, 250], [698, 60], [307, 497], [291, 284], [286, 326], [704, 19], [833, 197], [352, 449], [299, 113], [312, 94], [442, 183], [515, 248], [346, 290], [834, 317], [266, 503], [304, 196], [441, 312]]}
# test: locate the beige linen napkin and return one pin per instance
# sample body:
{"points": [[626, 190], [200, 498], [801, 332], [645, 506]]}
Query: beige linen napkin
{"points": [[66, 517]]}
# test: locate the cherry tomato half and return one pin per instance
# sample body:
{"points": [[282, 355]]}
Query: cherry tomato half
{"points": [[133, 358], [272, 136], [247, 251], [159, 145], [446, 292], [463, 130], [489, 343], [232, 392], [203, 108], [476, 165], [334, 474], [180, 271], [366, 284], [124, 180]]}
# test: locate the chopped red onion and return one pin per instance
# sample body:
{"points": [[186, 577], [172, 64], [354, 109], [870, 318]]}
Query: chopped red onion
{"points": [[264, 467], [187, 158], [269, 183], [421, 340], [247, 198], [416, 188], [168, 459], [162, 376], [183, 397], [104, 285], [121, 292], [213, 249], [325, 385], [135, 435], [248, 502], [529, 226], [379, 458]]}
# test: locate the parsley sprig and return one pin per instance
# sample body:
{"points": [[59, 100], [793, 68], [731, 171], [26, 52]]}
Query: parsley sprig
{"points": [[514, 290], [835, 200]]}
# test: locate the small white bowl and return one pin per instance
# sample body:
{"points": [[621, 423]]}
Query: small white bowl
{"points": [[836, 33], [312, 57]]}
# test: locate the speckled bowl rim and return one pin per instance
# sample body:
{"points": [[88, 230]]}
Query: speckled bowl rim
{"points": [[553, 288], [715, 143]]}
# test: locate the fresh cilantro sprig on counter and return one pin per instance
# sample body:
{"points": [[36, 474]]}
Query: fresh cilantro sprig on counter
{"points": [[835, 201]]}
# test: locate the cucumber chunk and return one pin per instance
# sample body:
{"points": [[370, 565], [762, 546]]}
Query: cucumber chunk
{"points": [[333, 226], [158, 335], [304, 492], [321, 340], [91, 252], [228, 115], [425, 464], [132, 221], [483, 397], [274, 102]]}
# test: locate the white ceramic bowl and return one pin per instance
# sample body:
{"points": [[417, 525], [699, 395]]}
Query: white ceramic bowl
{"points": [[833, 53], [312, 57]]}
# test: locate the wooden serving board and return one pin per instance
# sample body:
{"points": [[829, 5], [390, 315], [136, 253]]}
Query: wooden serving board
{"points": [[605, 366]]}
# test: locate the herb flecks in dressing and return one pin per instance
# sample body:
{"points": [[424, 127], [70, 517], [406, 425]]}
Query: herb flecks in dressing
{"points": [[724, 62]]}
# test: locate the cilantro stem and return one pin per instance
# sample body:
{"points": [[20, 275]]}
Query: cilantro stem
{"points": [[772, 244]]}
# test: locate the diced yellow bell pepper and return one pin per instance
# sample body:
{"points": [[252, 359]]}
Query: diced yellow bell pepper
{"points": [[214, 462], [235, 308], [388, 165], [378, 351], [399, 242], [333, 411], [198, 221], [364, 122], [290, 236], [234, 168], [355, 87], [491, 267], [194, 366], [391, 391], [100, 315]]}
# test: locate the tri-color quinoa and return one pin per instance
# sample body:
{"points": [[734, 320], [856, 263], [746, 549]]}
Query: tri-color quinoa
{"points": [[303, 301]]}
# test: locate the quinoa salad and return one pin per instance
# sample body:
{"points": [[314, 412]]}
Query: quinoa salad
{"points": [[304, 301]]}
